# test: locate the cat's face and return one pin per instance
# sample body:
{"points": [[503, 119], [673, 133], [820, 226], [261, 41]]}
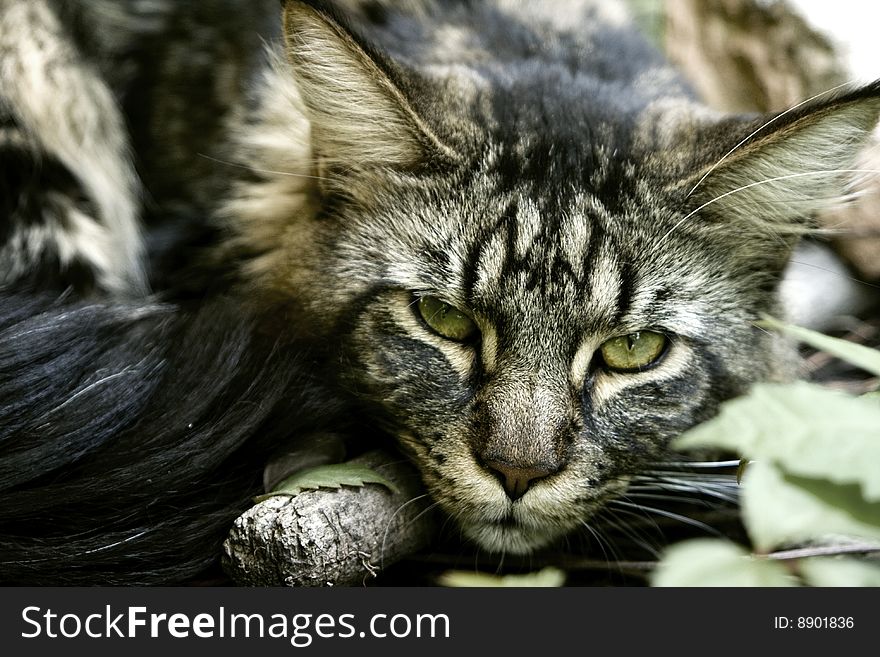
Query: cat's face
{"points": [[532, 344], [536, 302]]}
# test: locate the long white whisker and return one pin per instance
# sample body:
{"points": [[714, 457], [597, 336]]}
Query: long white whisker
{"points": [[627, 527], [683, 484], [721, 488], [258, 170], [684, 499], [832, 271], [611, 520], [630, 532], [699, 464], [752, 134], [396, 511], [790, 176], [685, 477], [602, 542], [680, 475], [668, 514]]}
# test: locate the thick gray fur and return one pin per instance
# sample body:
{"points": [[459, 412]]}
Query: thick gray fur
{"points": [[536, 165]]}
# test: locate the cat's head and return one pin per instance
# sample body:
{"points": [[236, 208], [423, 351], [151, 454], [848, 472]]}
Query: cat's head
{"points": [[535, 288]]}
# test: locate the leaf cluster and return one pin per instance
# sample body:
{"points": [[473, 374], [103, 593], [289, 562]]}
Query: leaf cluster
{"points": [[810, 489]]}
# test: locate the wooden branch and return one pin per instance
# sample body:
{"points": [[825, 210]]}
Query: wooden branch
{"points": [[332, 537]]}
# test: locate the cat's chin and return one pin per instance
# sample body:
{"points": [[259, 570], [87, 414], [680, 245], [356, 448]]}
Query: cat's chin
{"points": [[511, 539]]}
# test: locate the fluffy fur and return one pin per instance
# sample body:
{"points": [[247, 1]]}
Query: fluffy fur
{"points": [[538, 167]]}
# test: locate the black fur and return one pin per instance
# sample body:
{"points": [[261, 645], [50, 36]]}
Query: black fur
{"points": [[132, 435]]}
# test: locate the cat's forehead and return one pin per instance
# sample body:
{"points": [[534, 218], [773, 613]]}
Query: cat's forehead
{"points": [[547, 260], [592, 257], [554, 283], [556, 244]]}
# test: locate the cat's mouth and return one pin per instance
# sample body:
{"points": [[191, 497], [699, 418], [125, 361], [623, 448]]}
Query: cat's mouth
{"points": [[482, 506], [535, 521]]}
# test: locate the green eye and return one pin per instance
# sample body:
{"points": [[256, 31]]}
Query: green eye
{"points": [[633, 352], [446, 320]]}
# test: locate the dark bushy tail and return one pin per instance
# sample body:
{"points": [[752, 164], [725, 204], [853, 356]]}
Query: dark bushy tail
{"points": [[131, 435]]}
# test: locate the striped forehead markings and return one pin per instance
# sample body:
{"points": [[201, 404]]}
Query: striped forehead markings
{"points": [[562, 257], [539, 249]]}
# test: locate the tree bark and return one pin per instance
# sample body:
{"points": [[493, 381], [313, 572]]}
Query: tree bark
{"points": [[332, 537]]}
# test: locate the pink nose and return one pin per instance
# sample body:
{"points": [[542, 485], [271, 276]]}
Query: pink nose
{"points": [[517, 479]]}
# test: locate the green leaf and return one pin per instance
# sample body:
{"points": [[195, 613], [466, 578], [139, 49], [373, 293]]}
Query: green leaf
{"points": [[334, 475], [713, 562], [781, 509], [839, 571], [547, 577], [864, 357], [807, 429]]}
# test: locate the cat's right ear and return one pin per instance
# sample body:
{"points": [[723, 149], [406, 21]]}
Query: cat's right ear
{"points": [[778, 171], [354, 97]]}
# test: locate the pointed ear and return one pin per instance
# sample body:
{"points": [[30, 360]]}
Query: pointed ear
{"points": [[359, 116], [781, 170]]}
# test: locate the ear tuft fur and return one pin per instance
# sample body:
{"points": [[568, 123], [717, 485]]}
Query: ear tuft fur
{"points": [[360, 117], [790, 166]]}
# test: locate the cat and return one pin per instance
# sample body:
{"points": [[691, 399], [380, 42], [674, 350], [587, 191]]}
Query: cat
{"points": [[504, 234]]}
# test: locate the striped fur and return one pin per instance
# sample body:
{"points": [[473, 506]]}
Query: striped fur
{"points": [[542, 183], [534, 164]]}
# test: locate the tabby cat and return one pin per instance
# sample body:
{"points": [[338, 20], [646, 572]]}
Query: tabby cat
{"points": [[503, 233]]}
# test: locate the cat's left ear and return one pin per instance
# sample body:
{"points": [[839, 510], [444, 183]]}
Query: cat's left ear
{"points": [[774, 173], [354, 96]]}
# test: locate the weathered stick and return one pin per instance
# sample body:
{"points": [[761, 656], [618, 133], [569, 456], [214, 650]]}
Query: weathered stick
{"points": [[332, 537]]}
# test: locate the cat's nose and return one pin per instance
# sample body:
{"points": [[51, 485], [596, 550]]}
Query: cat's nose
{"points": [[516, 478]]}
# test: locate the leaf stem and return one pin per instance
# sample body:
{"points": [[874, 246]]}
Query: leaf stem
{"points": [[822, 550]]}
